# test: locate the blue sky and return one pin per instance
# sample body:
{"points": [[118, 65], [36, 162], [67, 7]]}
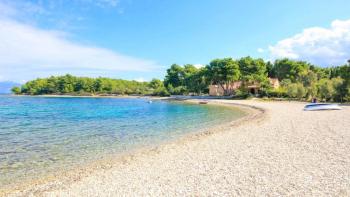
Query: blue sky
{"points": [[140, 39]]}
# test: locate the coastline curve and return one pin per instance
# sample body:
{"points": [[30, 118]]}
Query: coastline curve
{"points": [[64, 179]]}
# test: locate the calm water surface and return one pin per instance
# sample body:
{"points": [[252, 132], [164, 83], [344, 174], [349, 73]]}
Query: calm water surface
{"points": [[41, 135]]}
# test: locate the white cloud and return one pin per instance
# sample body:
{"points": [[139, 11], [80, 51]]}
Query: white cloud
{"points": [[321, 46], [260, 50], [141, 79], [198, 65], [27, 52]]}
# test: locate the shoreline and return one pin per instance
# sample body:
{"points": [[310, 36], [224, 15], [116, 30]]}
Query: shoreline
{"points": [[173, 97], [87, 96], [77, 173], [284, 151]]}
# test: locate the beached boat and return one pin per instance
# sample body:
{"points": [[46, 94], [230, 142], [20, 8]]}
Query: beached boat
{"points": [[321, 106], [203, 102]]}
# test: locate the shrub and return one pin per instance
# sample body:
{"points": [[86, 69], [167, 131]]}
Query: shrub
{"points": [[16, 90], [161, 91]]}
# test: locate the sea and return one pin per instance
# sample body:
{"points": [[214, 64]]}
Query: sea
{"points": [[42, 135]]}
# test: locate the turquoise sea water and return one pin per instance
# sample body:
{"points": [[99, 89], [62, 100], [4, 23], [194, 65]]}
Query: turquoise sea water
{"points": [[41, 135]]}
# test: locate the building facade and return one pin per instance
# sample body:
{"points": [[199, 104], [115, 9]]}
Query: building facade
{"points": [[218, 90]]}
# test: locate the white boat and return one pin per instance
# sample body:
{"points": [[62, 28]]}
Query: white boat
{"points": [[321, 106]]}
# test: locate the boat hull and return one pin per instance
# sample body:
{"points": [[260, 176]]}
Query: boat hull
{"points": [[323, 106]]}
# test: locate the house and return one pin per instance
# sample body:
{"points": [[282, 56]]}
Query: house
{"points": [[275, 83], [217, 90]]}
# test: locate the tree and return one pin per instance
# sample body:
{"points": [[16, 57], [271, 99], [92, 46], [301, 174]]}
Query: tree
{"points": [[290, 69], [309, 80], [174, 76], [223, 72], [271, 72], [84, 84], [156, 83], [16, 90], [252, 70], [189, 71], [197, 82], [292, 90], [285, 82], [312, 91], [161, 92], [158, 88], [340, 90], [295, 90], [69, 84], [36, 87], [301, 91], [65, 84], [344, 72], [326, 89], [298, 80]]}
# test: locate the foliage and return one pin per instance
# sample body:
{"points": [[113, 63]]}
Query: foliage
{"points": [[155, 83], [174, 76], [186, 79], [271, 72], [301, 91], [289, 69], [298, 79], [180, 90], [326, 89], [252, 70], [280, 92], [161, 91], [158, 88], [332, 89], [69, 84], [196, 81], [223, 71], [242, 94], [16, 90], [291, 90]]}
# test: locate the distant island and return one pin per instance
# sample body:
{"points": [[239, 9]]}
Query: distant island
{"points": [[296, 80], [85, 86]]}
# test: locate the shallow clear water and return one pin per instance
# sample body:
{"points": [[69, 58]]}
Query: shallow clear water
{"points": [[41, 135]]}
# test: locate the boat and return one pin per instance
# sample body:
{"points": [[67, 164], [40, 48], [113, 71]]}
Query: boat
{"points": [[321, 106], [203, 102]]}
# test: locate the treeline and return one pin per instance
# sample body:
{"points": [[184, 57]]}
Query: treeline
{"points": [[304, 81], [71, 85], [298, 79]]}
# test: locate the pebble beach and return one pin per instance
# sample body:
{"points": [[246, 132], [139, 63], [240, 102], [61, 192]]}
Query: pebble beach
{"points": [[276, 150]]}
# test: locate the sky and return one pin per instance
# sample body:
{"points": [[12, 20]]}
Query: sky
{"points": [[140, 39]]}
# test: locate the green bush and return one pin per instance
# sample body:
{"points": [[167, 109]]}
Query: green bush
{"points": [[16, 90], [277, 93], [161, 91], [241, 94]]}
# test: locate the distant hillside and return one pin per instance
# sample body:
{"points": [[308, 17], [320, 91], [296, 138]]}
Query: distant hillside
{"points": [[5, 86]]}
